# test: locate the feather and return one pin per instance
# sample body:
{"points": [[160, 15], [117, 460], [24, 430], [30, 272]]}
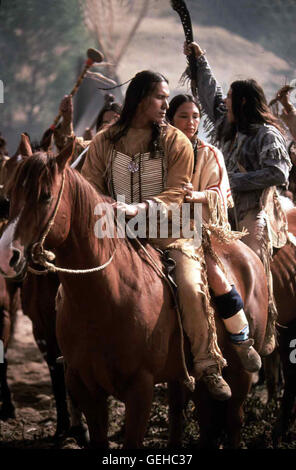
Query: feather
{"points": [[100, 78]]}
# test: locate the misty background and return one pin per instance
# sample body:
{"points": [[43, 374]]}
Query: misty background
{"points": [[43, 48]]}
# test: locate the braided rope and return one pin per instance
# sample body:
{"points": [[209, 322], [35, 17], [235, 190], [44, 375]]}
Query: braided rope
{"points": [[43, 255], [52, 219], [55, 269]]}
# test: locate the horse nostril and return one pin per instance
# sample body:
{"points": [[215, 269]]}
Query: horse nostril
{"points": [[15, 258], [4, 208]]}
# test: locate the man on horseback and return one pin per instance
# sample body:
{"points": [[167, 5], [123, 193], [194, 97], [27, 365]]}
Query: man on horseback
{"points": [[256, 158], [148, 162], [64, 132], [288, 114]]}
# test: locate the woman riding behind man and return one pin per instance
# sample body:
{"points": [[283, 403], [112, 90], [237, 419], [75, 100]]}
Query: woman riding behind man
{"points": [[254, 148], [210, 187]]}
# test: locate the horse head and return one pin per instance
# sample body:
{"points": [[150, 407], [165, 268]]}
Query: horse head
{"points": [[8, 170], [34, 189]]}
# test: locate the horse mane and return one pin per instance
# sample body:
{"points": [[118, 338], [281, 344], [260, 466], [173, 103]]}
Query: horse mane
{"points": [[28, 177], [36, 175]]}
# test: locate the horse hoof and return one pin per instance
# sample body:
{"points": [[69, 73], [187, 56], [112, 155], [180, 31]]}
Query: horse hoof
{"points": [[7, 412], [62, 431], [80, 434]]}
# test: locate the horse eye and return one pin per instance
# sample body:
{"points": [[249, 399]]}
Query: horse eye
{"points": [[45, 198]]}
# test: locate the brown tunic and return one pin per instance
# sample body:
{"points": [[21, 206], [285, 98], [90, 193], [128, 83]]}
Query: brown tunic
{"points": [[177, 150]]}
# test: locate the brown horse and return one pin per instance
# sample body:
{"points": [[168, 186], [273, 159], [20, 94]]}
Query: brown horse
{"points": [[9, 304], [38, 303], [116, 327], [283, 271], [246, 272]]}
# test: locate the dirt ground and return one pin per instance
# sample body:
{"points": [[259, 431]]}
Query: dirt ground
{"points": [[35, 420]]}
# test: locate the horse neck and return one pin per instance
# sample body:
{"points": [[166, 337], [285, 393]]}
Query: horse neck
{"points": [[82, 247]]}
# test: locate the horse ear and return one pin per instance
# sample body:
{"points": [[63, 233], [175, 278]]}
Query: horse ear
{"points": [[24, 149], [25, 146], [65, 155]]}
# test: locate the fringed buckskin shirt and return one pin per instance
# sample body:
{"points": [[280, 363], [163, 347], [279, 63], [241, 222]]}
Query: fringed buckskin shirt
{"points": [[210, 177], [177, 155], [108, 168], [254, 162]]}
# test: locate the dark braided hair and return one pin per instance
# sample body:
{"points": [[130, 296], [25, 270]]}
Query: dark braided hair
{"points": [[141, 86]]}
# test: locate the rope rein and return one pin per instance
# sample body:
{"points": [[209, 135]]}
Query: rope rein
{"points": [[55, 269], [44, 257]]}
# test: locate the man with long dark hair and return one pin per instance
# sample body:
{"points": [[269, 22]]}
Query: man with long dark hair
{"points": [[254, 149], [148, 162]]}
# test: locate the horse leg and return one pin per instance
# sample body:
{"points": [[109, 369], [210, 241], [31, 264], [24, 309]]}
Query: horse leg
{"points": [[210, 423], [176, 400], [94, 407], [13, 294], [281, 427], [235, 416], [59, 390], [78, 429], [7, 410], [235, 413], [214, 418], [50, 351], [271, 369], [65, 407], [289, 397], [138, 406]]}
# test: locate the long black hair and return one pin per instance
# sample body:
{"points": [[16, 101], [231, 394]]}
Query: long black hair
{"points": [[141, 86], [174, 105], [249, 107], [176, 102]]}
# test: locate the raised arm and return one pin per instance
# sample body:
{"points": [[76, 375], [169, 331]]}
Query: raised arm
{"points": [[209, 91], [289, 111]]}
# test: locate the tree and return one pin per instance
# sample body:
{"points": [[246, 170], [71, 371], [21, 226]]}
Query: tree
{"points": [[40, 43]]}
